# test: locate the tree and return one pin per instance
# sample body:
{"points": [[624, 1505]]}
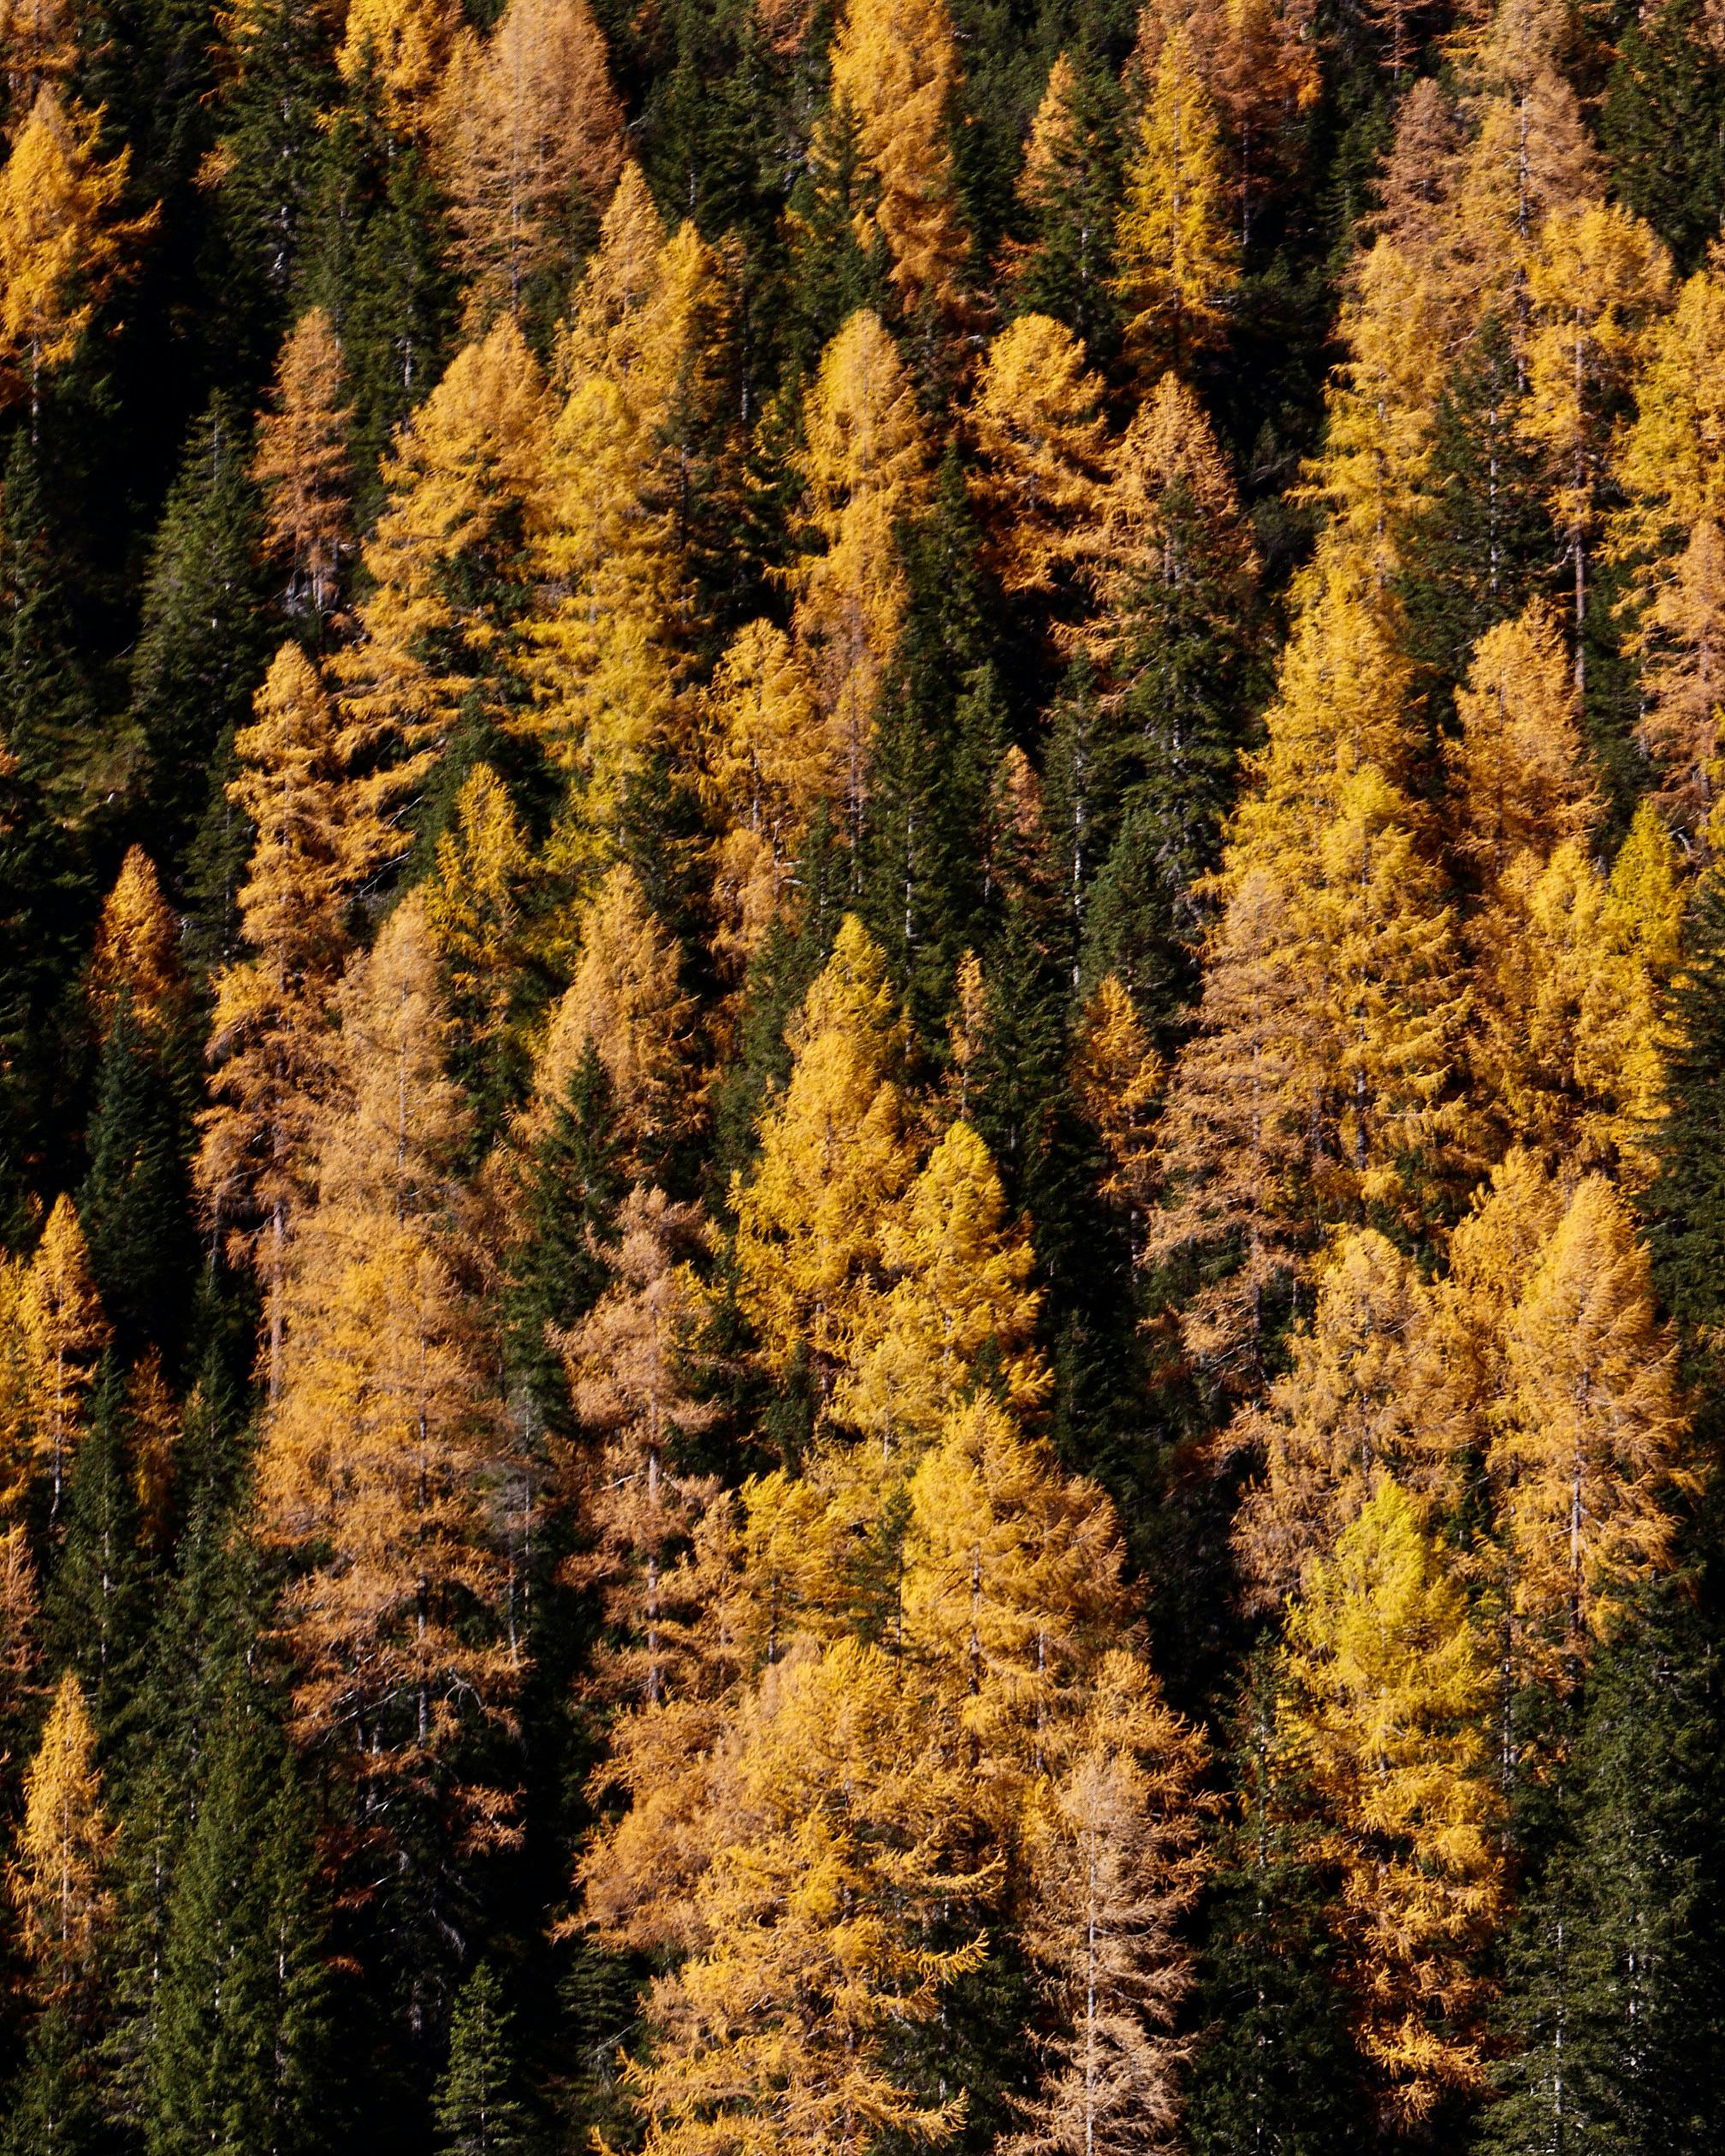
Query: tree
{"points": [[473, 910], [1517, 769], [239, 2051], [1588, 1459], [201, 643], [1361, 1401], [399, 48], [478, 2111], [58, 1879], [1114, 1866], [960, 1312], [1179, 259], [379, 1453], [1039, 431], [137, 953], [864, 467], [1070, 189], [531, 140], [40, 38], [895, 72], [1597, 278], [626, 1002], [303, 468], [603, 659], [62, 245], [1686, 1200], [64, 1334], [639, 1503], [834, 1155], [269, 1037], [808, 1924], [1386, 1689], [446, 567], [771, 762]]}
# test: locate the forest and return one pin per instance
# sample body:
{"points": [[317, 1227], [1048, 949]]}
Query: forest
{"points": [[862, 1077]]}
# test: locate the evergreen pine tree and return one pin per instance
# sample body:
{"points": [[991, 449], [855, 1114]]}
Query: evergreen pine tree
{"points": [[202, 640], [477, 2107], [1662, 125], [95, 1607]]}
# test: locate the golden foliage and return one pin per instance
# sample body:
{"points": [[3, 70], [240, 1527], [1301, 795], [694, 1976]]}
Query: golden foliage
{"points": [[302, 463]]}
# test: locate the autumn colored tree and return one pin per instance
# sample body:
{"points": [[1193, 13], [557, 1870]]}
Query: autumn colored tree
{"points": [[1596, 279], [628, 1364], [864, 466], [1361, 1402], [302, 466], [1387, 1683], [400, 48], [771, 762], [63, 1335], [626, 1002], [1114, 1865], [1039, 431], [40, 38], [835, 1153], [960, 1310], [1588, 1461], [269, 1041], [137, 953], [1178, 257], [895, 72], [1069, 186], [446, 564], [603, 661], [58, 1879], [383, 1443], [63, 245], [473, 912], [529, 128], [808, 1924]]}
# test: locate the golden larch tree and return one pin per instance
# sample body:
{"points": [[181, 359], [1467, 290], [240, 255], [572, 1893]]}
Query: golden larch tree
{"points": [[864, 466], [836, 1153], [270, 1044], [63, 244], [137, 953], [1178, 255], [1588, 1461], [628, 1002], [59, 1877], [65, 1336], [961, 1308], [603, 657], [303, 466], [636, 1502], [835, 1847], [1360, 1400], [1037, 421], [40, 39], [1518, 769], [1382, 1716], [772, 759], [895, 72], [1115, 1863], [528, 126], [382, 1453], [1596, 279], [399, 49], [448, 554]]}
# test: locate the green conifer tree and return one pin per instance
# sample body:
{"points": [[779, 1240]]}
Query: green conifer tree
{"points": [[477, 2109]]}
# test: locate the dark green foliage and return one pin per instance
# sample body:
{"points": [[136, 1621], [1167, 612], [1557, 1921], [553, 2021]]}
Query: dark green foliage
{"points": [[47, 699], [204, 636], [1066, 267], [51, 2108], [237, 2050], [1685, 1207], [135, 1203], [479, 2111], [1662, 124], [573, 1187], [1612, 1997], [1485, 546], [282, 80], [1276, 2071], [95, 1608]]}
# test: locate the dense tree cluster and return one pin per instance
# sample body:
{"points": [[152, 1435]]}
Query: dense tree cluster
{"points": [[862, 1051]]}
